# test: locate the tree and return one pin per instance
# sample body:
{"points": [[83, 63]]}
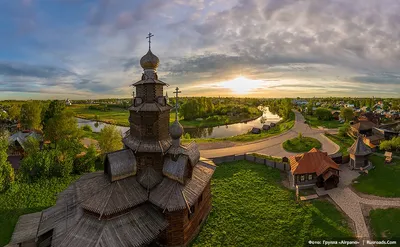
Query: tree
{"points": [[56, 107], [6, 170], [30, 115], [14, 112], [87, 162], [110, 139], [323, 114], [347, 114], [344, 130], [62, 126]]}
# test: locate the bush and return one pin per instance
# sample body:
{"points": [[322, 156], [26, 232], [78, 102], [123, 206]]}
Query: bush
{"points": [[62, 166], [390, 145], [6, 171], [323, 114], [87, 128], [86, 163]]}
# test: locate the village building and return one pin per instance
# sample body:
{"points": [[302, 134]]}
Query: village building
{"points": [[313, 168], [359, 153], [363, 127], [154, 191], [335, 115]]}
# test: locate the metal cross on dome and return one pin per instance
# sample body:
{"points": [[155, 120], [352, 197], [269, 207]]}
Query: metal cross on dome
{"points": [[177, 92], [149, 37]]}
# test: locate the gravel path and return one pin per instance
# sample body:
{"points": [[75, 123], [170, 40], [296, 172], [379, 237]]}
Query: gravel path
{"points": [[350, 202]]}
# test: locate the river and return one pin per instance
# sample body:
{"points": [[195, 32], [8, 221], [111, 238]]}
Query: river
{"points": [[200, 132]]}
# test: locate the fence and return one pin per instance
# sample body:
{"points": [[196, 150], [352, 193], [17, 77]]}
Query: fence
{"points": [[283, 166]]}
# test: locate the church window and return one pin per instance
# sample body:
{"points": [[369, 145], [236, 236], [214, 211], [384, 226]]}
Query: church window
{"points": [[302, 178]]}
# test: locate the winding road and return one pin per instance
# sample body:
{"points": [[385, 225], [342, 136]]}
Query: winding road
{"points": [[273, 145]]}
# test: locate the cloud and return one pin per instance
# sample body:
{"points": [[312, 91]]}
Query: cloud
{"points": [[292, 42]]}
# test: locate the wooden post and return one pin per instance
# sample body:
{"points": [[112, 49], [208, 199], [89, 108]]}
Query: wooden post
{"points": [[297, 193]]}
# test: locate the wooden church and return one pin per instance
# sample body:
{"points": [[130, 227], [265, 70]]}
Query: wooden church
{"points": [[155, 191]]}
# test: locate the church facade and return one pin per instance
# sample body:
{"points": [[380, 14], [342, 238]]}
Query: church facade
{"points": [[155, 191]]}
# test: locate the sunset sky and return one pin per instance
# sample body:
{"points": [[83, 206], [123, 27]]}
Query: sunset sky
{"points": [[81, 49]]}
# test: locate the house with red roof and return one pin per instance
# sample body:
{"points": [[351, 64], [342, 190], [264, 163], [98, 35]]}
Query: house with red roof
{"points": [[314, 168]]}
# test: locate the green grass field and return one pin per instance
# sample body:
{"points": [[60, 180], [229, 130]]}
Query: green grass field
{"points": [[343, 142], [120, 117], [314, 122], [385, 223], [252, 208], [301, 144], [24, 198], [383, 180]]}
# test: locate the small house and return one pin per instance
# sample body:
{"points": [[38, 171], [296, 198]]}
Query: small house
{"points": [[359, 153], [314, 168], [255, 130], [364, 127]]}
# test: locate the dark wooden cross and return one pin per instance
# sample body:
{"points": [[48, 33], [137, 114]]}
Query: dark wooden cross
{"points": [[149, 37], [176, 92]]}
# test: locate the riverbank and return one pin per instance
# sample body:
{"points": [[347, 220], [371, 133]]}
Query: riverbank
{"points": [[119, 116], [281, 127]]}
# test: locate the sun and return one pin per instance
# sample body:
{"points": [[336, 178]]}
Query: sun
{"points": [[241, 85]]}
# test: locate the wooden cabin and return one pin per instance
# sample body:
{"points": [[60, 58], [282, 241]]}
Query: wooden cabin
{"points": [[155, 191], [314, 168]]}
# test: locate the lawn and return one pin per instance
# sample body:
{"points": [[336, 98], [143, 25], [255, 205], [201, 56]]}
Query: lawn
{"points": [[252, 208], [301, 144], [385, 223], [383, 180], [120, 117], [343, 142], [314, 122], [23, 198]]}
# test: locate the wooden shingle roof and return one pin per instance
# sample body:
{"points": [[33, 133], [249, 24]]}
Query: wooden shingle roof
{"points": [[148, 177], [146, 146], [137, 228], [314, 161], [363, 125], [359, 147], [176, 170], [26, 228], [122, 164], [153, 106], [117, 197], [171, 195]]}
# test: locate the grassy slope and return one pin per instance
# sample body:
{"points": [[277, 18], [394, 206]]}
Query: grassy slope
{"points": [[24, 198], [343, 142], [385, 223], [301, 145], [251, 208], [120, 117], [383, 180], [314, 122]]}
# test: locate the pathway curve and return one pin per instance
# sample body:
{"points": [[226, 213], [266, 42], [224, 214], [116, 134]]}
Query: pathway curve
{"points": [[273, 145], [350, 202]]}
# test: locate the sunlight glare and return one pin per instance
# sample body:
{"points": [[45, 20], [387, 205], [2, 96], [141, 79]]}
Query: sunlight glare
{"points": [[242, 85]]}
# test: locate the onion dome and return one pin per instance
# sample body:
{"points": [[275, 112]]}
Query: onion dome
{"points": [[149, 61], [176, 130]]}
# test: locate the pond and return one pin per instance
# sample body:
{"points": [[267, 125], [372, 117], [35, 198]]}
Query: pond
{"points": [[212, 132]]}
